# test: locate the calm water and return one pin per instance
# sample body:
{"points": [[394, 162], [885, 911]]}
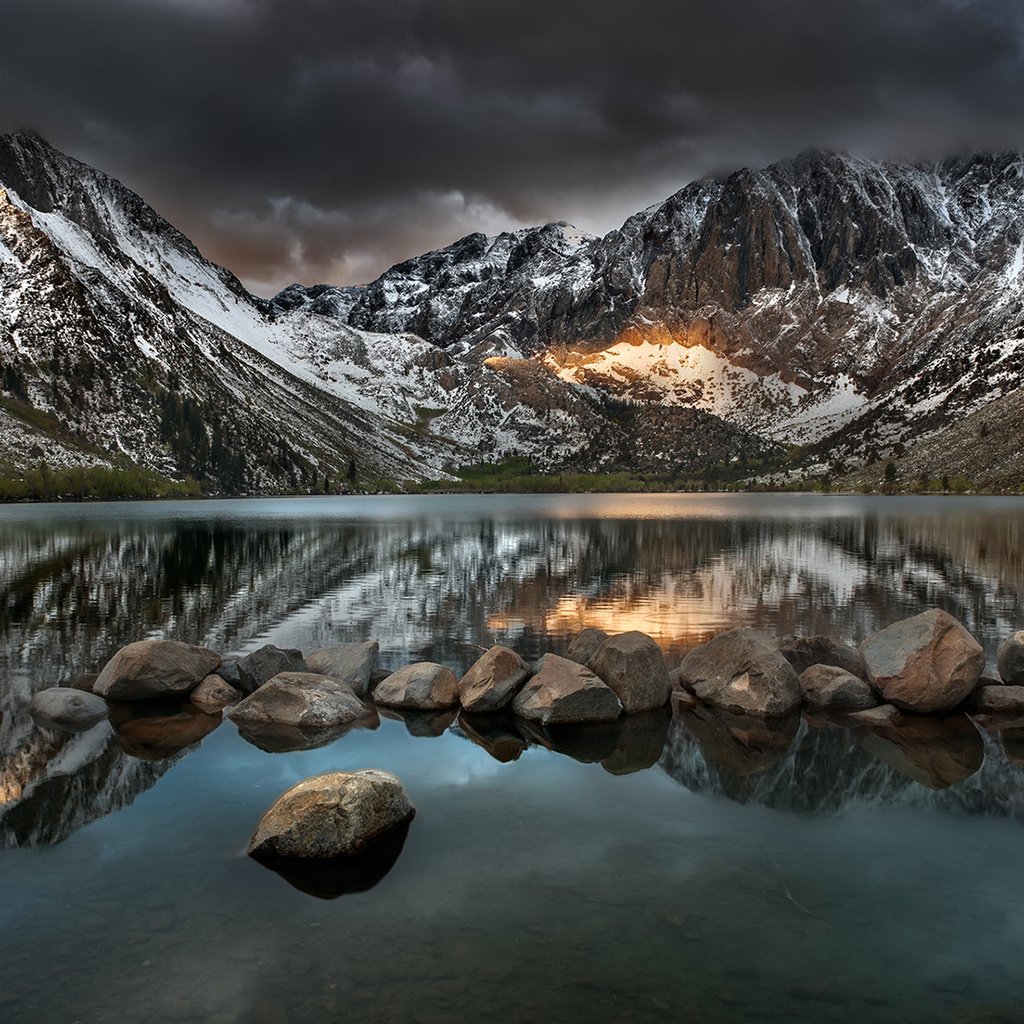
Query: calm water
{"points": [[699, 868]]}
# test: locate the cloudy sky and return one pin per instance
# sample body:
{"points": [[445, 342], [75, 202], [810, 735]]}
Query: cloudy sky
{"points": [[323, 140]]}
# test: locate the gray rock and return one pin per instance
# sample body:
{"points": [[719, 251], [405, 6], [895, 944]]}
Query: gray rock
{"points": [[563, 691], [228, 671], [351, 663], [64, 707], [303, 699], [1010, 659], [997, 700], [584, 645], [493, 680], [804, 651], [424, 686], [378, 675], [265, 663], [925, 664], [332, 815], [831, 688], [154, 668], [214, 694], [633, 667], [742, 669]]}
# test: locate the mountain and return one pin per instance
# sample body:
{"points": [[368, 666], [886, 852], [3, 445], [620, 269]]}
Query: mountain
{"points": [[843, 311]]}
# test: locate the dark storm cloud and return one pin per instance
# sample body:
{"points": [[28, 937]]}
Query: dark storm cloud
{"points": [[319, 140]]}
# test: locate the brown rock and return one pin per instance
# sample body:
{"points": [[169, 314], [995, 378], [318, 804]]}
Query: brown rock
{"points": [[303, 699], [425, 686], [997, 700], [925, 664], [633, 667], [154, 668], [1010, 659], [584, 645], [804, 651], [332, 815], [493, 680], [564, 691], [742, 669], [214, 694], [830, 688]]}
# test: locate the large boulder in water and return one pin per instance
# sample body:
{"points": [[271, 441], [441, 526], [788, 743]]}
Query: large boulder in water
{"points": [[804, 651], [1010, 659], [632, 665], [349, 663], [493, 680], [424, 686], [64, 707], [831, 688], [303, 699], [154, 668], [332, 815], [563, 691], [926, 663], [742, 669], [584, 645], [266, 662]]}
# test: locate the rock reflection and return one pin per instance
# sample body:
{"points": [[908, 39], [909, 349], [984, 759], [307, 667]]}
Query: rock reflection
{"points": [[425, 724], [282, 739], [496, 733], [936, 752], [155, 730]]}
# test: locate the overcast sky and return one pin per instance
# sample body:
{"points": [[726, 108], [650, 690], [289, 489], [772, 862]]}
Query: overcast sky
{"points": [[324, 140]]}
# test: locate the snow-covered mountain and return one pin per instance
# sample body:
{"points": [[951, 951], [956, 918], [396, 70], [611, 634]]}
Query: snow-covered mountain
{"points": [[851, 307]]}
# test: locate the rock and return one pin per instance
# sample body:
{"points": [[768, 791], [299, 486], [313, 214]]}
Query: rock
{"points": [[351, 663], [332, 815], [495, 732], [742, 669], [378, 675], [804, 651], [84, 682], [64, 707], [633, 667], [265, 663], [214, 694], [160, 729], [831, 688], [303, 699], [228, 671], [1010, 659], [584, 645], [925, 664], [883, 714], [154, 668], [493, 680], [424, 686], [997, 700], [564, 691], [935, 752]]}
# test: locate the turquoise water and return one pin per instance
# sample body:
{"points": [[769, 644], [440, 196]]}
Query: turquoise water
{"points": [[702, 868]]}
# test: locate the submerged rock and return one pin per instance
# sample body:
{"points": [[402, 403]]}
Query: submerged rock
{"points": [[742, 669], [349, 663], [1010, 659], [263, 664], [214, 694], [563, 691], [633, 667], [424, 686], [493, 680], [804, 651], [154, 668], [830, 688], [925, 664], [303, 699], [331, 815], [584, 645], [63, 707]]}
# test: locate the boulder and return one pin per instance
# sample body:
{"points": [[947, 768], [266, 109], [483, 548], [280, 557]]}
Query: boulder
{"points": [[332, 815], [584, 645], [303, 699], [493, 680], [1010, 659], [214, 694], [831, 688], [633, 667], [64, 707], [228, 671], [351, 663], [925, 664], [424, 686], [154, 668], [997, 700], [378, 675], [268, 661], [804, 651], [742, 669], [563, 691]]}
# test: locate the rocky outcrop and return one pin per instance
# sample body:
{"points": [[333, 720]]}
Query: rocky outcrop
{"points": [[804, 651], [493, 680], [830, 688], [305, 700], [349, 663], [742, 669], [633, 667], [1010, 659], [584, 645], [265, 663], [563, 691], [154, 668], [927, 663], [213, 694], [425, 686], [63, 707], [332, 815]]}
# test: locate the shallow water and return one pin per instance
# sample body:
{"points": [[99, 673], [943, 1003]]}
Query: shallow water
{"points": [[703, 868]]}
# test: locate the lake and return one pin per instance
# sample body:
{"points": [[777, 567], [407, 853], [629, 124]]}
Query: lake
{"points": [[693, 866]]}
